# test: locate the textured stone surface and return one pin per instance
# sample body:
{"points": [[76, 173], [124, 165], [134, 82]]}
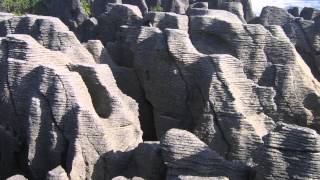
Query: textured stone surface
{"points": [[99, 52], [115, 16], [65, 114], [308, 13], [17, 177], [186, 155], [149, 161], [57, 173], [305, 35], [69, 11], [234, 7], [294, 11], [229, 103], [164, 20], [50, 32], [289, 152]]}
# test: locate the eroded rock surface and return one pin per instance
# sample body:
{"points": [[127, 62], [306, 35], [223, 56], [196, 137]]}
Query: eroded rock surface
{"points": [[302, 33], [77, 107], [186, 155], [289, 152]]}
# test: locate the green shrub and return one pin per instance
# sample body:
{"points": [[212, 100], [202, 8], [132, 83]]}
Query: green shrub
{"points": [[157, 8], [86, 7], [20, 6], [16, 6]]}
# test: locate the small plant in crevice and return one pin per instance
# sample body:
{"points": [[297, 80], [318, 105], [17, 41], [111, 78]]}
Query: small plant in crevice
{"points": [[86, 7], [157, 8]]}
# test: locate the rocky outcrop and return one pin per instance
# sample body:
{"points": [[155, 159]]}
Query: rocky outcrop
{"points": [[303, 34], [163, 20], [17, 177], [70, 12], [149, 161], [64, 114], [50, 32], [308, 13], [204, 93], [294, 11], [236, 8], [289, 152], [116, 16], [185, 155], [57, 173]]}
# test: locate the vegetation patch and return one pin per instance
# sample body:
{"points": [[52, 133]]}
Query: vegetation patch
{"points": [[157, 8]]}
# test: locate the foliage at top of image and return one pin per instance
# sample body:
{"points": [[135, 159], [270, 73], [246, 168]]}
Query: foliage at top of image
{"points": [[157, 8], [86, 7], [20, 7]]}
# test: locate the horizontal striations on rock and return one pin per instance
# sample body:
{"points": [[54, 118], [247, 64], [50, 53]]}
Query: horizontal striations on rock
{"points": [[269, 59], [164, 20], [227, 99], [65, 114], [304, 34], [50, 32], [186, 155], [289, 152]]}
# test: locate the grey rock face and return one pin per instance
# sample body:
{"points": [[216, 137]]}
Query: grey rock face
{"points": [[236, 8], [308, 13], [202, 5], [50, 32], [116, 16], [57, 173], [294, 11], [17, 177], [99, 52], [289, 152], [204, 93], [98, 7], [186, 155], [176, 6], [69, 11], [303, 34], [65, 113], [163, 20], [247, 6], [266, 59], [149, 161], [182, 177]]}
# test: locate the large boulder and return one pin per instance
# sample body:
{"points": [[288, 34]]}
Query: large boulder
{"points": [[64, 113], [229, 101], [163, 20], [70, 12], [308, 13], [186, 155], [304, 34], [50, 32], [289, 152], [115, 16]]}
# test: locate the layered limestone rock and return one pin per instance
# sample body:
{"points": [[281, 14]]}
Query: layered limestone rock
{"points": [[65, 114], [269, 59], [289, 152], [163, 20], [229, 103], [115, 16], [70, 12], [57, 173], [50, 32], [305, 35], [187, 157], [204, 103], [309, 13]]}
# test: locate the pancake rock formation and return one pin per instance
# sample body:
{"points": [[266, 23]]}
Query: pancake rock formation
{"points": [[165, 89]]}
